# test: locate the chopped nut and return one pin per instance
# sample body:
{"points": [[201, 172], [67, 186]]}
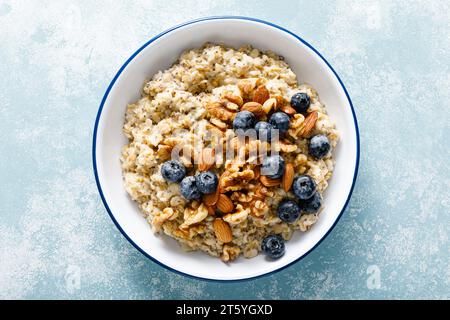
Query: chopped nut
{"points": [[206, 159], [218, 123], [269, 105], [247, 86], [229, 253], [164, 151], [160, 217], [234, 99], [218, 110], [288, 110], [280, 101], [260, 208], [237, 217], [231, 106], [241, 197], [296, 124], [192, 216]]}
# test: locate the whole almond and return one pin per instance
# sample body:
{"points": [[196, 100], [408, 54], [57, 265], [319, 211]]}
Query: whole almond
{"points": [[224, 204], [234, 99], [207, 159], [222, 230], [308, 124], [288, 177], [268, 182], [222, 180], [254, 107], [261, 94], [269, 104], [211, 199], [288, 110]]}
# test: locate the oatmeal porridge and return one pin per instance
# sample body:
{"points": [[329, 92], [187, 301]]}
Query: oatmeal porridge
{"points": [[228, 153]]}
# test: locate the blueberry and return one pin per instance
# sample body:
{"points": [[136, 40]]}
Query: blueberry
{"points": [[300, 102], [273, 246], [189, 189], [319, 146], [273, 167], [264, 130], [173, 171], [206, 182], [311, 205], [288, 210], [244, 120], [280, 121], [304, 187]]}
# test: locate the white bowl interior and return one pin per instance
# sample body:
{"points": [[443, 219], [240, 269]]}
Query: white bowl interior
{"points": [[159, 55]]}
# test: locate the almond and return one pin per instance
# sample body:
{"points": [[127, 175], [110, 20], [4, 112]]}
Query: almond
{"points": [[269, 104], [224, 204], [288, 110], [254, 107], [207, 159], [268, 182], [288, 177], [234, 99], [211, 199], [222, 230], [261, 94], [280, 100], [257, 172], [211, 210], [308, 124]]}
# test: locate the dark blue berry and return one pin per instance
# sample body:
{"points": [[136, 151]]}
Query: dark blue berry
{"points": [[304, 187], [173, 171], [319, 146], [300, 102], [280, 121], [244, 120], [264, 130], [189, 189], [273, 246], [288, 210], [311, 205], [273, 167], [206, 182]]}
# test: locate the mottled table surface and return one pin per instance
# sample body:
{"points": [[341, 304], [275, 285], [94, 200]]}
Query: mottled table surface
{"points": [[57, 59]]}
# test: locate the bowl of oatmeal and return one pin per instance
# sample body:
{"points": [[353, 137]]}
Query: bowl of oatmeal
{"points": [[226, 155]]}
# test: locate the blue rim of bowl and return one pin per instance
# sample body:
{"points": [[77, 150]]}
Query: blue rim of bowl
{"points": [[94, 159]]}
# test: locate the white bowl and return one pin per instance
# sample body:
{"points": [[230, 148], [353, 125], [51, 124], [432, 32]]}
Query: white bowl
{"points": [[158, 54]]}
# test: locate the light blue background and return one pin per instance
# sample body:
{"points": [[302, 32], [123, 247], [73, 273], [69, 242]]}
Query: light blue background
{"points": [[57, 59]]}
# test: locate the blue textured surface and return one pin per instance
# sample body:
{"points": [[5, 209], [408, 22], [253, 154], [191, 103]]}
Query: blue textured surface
{"points": [[56, 239]]}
